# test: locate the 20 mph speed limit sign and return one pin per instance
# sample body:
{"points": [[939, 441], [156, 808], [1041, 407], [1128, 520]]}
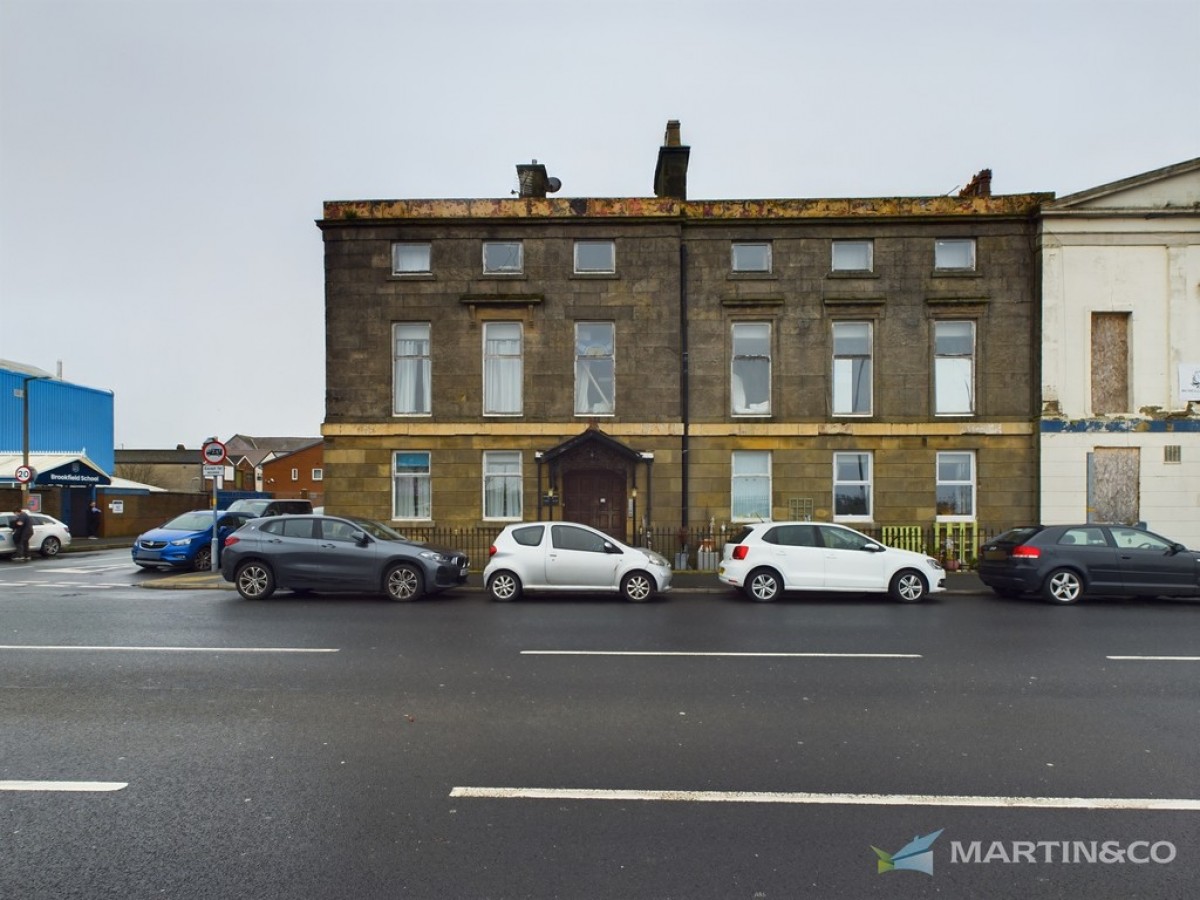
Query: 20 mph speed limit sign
{"points": [[214, 453], [24, 474]]}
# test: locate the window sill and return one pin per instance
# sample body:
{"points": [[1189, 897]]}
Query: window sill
{"points": [[595, 276], [412, 276], [956, 273], [753, 276], [852, 274]]}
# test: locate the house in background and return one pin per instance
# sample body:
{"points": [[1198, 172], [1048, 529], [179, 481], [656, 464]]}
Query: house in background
{"points": [[179, 470], [1120, 419], [659, 362], [299, 473], [246, 456]]}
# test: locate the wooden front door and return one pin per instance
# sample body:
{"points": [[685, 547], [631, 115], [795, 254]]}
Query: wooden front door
{"points": [[596, 497]]}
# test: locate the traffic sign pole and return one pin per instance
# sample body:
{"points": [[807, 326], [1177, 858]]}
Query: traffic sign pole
{"points": [[214, 454]]}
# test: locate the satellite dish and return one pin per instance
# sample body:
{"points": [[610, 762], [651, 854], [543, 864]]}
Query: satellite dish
{"points": [[552, 184]]}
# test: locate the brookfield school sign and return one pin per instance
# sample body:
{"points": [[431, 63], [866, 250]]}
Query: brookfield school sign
{"points": [[72, 474]]}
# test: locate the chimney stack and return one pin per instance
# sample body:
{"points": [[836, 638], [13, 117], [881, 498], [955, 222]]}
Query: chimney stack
{"points": [[534, 181], [670, 174], [979, 186]]}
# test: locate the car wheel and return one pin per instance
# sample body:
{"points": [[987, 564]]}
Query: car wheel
{"points": [[203, 560], [763, 585], [254, 581], [1064, 586], [50, 546], [637, 587], [402, 583], [907, 586], [504, 586]]}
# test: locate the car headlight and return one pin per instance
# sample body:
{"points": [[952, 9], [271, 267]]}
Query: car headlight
{"points": [[430, 555], [933, 564], [656, 559], [182, 542]]}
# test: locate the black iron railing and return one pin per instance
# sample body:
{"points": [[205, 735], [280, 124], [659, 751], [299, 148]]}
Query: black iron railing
{"points": [[700, 548]]}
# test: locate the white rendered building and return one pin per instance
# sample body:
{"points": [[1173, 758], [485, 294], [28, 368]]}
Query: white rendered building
{"points": [[1120, 424]]}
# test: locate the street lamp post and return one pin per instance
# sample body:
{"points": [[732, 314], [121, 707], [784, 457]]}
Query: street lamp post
{"points": [[25, 432]]}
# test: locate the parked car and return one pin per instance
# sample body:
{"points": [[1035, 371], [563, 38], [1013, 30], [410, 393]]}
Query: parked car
{"points": [[50, 536], [566, 556], [768, 558], [328, 553], [1066, 562], [186, 541], [267, 506]]}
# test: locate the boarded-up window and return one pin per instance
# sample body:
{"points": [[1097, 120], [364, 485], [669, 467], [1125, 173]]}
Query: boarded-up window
{"points": [[1110, 363], [1113, 485]]}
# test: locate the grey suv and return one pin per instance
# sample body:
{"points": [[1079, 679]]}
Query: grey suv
{"points": [[327, 553]]}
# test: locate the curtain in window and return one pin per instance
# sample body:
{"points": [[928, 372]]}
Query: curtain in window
{"points": [[502, 485], [502, 368], [751, 380], [594, 368], [412, 369], [751, 488], [954, 368], [412, 489]]}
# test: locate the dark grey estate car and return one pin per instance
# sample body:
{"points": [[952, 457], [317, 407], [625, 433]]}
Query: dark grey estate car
{"points": [[1065, 562], [327, 553]]}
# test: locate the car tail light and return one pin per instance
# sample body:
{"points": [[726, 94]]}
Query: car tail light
{"points": [[740, 551], [1025, 552], [491, 551], [231, 540]]}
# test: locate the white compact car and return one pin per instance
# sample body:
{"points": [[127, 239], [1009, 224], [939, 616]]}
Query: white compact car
{"points": [[768, 558], [565, 556], [49, 535]]}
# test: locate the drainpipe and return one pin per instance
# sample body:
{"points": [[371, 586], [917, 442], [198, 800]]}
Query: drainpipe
{"points": [[684, 387]]}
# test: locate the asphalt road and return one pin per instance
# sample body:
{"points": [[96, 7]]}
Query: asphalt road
{"points": [[184, 743]]}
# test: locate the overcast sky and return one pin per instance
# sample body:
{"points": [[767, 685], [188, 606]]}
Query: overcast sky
{"points": [[162, 162]]}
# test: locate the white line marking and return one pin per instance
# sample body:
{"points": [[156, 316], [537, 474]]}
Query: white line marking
{"points": [[827, 799], [691, 653], [1158, 658], [81, 786], [172, 649]]}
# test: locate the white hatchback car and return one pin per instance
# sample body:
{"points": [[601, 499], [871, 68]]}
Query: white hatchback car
{"points": [[565, 556], [768, 558], [49, 535]]}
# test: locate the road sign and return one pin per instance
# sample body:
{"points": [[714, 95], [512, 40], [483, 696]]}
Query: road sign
{"points": [[214, 453], [214, 471], [24, 474]]}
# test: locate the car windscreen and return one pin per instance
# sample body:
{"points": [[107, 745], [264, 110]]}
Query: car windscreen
{"points": [[1016, 535], [250, 506], [192, 521], [378, 530]]}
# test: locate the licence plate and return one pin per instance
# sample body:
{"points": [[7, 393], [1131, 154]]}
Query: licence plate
{"points": [[995, 554]]}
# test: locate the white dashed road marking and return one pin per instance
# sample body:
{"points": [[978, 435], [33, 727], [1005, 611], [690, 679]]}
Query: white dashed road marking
{"points": [[500, 793], [76, 786], [701, 653]]}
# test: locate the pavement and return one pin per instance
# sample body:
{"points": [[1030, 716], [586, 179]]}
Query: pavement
{"points": [[690, 581]]}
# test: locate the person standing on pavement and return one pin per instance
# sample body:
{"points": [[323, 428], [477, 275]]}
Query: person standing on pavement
{"points": [[94, 518], [22, 531]]}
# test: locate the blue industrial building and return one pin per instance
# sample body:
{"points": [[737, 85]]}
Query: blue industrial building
{"points": [[68, 438]]}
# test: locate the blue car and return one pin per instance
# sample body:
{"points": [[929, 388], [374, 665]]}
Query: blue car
{"points": [[186, 541]]}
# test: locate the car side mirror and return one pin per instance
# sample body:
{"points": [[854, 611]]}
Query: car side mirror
{"points": [[873, 548], [361, 538], [1177, 548], [611, 548]]}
